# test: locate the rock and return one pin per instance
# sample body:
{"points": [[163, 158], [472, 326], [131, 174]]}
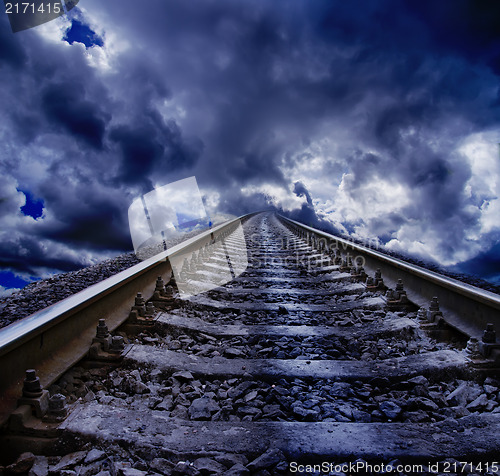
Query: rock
{"points": [[135, 373], [492, 381], [360, 416], [240, 390], [419, 380], [179, 411], [89, 469], [251, 396], [267, 460], [175, 345], [141, 388], [184, 468], [281, 467], [233, 353], [89, 396], [162, 465], [426, 404], [438, 398], [131, 472], [489, 389], [229, 460], [478, 404], [202, 408], [166, 404], [208, 466], [68, 461], [463, 394], [237, 470], [22, 465], [94, 455], [340, 389], [183, 400], [415, 417], [183, 376], [307, 415], [346, 410], [328, 409], [40, 467], [390, 409]]}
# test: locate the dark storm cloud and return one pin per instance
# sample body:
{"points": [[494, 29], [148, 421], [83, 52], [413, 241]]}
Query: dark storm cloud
{"points": [[150, 144], [467, 27], [11, 53], [307, 213], [139, 150], [66, 106], [485, 265], [300, 190], [97, 163], [243, 94], [33, 258]]}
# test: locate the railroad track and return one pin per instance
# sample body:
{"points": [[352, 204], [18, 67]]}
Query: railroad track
{"points": [[293, 361]]}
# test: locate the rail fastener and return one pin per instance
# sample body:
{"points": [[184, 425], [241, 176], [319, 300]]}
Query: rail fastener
{"points": [[376, 283], [106, 348], [34, 395], [489, 344]]}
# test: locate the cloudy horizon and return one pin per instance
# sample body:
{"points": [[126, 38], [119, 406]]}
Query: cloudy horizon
{"points": [[380, 122]]}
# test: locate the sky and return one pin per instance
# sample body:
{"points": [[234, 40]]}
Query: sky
{"points": [[375, 119]]}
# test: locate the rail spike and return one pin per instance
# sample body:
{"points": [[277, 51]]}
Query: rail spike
{"points": [[138, 313], [106, 348], [434, 314], [489, 342], [473, 350], [397, 299], [358, 273], [376, 283], [34, 395], [58, 410], [159, 292]]}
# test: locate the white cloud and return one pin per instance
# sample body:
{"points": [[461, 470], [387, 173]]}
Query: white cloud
{"points": [[275, 195], [5, 292], [482, 150]]}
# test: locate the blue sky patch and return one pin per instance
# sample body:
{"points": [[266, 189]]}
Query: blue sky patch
{"points": [[9, 280], [33, 206], [82, 33]]}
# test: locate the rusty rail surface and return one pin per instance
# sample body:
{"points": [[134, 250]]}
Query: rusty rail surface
{"points": [[55, 338], [465, 307]]}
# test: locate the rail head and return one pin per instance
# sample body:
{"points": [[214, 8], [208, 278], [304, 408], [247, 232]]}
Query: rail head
{"points": [[474, 292]]}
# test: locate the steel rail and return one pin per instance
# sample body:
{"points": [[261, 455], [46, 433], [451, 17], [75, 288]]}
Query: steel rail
{"points": [[465, 307], [55, 338]]}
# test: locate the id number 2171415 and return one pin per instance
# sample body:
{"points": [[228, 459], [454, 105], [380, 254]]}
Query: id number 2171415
{"points": [[27, 8]]}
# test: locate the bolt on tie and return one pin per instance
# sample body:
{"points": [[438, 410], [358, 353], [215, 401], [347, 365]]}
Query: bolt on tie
{"points": [[102, 331], [489, 335], [32, 388]]}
